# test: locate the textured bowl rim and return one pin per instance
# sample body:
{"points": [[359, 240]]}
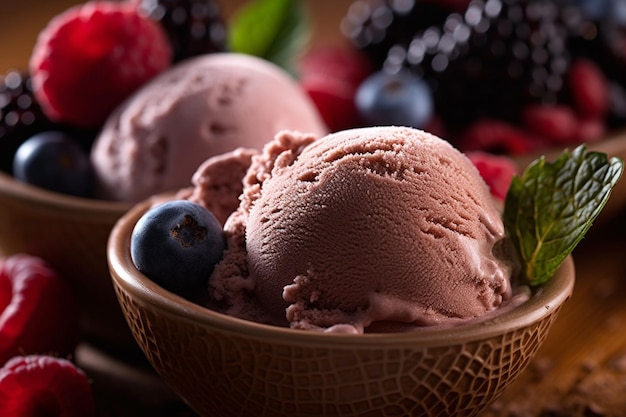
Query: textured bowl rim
{"points": [[144, 291], [39, 197]]}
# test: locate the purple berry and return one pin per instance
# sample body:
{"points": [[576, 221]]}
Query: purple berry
{"points": [[401, 99], [54, 161], [177, 245]]}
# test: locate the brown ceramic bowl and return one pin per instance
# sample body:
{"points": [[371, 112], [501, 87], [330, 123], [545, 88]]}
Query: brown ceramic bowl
{"points": [[71, 234], [223, 366]]}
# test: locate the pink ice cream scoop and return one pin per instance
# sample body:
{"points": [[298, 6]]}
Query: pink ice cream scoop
{"points": [[364, 229], [202, 107]]}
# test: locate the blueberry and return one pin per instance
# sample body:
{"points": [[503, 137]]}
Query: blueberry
{"points": [[54, 161], [177, 245], [401, 99]]}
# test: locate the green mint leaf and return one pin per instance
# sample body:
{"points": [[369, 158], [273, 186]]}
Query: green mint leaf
{"points": [[551, 206], [275, 30]]}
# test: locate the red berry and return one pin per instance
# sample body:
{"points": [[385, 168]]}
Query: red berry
{"points": [[39, 385], [436, 126], [558, 124], [334, 101], [91, 57], [591, 130], [38, 312], [496, 170], [497, 137], [331, 76], [344, 64], [589, 89]]}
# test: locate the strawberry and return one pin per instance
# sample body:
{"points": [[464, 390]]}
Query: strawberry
{"points": [[496, 170], [40, 385], [88, 59], [589, 89], [497, 136], [331, 76], [38, 312]]}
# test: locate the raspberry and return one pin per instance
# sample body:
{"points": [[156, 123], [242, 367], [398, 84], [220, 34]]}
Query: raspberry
{"points": [[345, 64], [591, 130], [496, 170], [38, 312], [589, 90], [558, 124], [334, 101], [91, 57], [497, 137], [331, 76], [39, 385]]}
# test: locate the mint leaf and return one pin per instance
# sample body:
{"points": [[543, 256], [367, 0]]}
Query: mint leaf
{"points": [[551, 206], [275, 30]]}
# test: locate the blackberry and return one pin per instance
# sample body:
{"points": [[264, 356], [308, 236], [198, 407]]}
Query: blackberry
{"points": [[492, 61], [21, 117], [374, 26], [194, 27]]}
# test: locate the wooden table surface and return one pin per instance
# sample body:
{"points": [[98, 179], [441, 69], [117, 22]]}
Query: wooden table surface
{"points": [[582, 365]]}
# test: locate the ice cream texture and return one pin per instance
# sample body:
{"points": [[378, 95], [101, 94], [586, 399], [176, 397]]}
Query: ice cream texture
{"points": [[203, 106], [364, 229]]}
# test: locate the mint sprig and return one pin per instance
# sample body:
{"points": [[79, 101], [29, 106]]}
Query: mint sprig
{"points": [[552, 205], [275, 30]]}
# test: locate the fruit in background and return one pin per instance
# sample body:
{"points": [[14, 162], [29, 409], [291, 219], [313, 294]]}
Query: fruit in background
{"points": [[603, 9], [496, 170], [88, 59], [40, 385], [177, 244], [497, 137], [54, 161], [588, 89], [557, 123], [38, 312], [193, 27], [400, 99], [21, 117], [331, 75], [375, 26], [497, 58]]}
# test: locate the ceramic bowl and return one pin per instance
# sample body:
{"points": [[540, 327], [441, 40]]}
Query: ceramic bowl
{"points": [[71, 234], [224, 366]]}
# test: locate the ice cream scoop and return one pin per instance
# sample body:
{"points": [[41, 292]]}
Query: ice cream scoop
{"points": [[202, 107], [364, 229]]}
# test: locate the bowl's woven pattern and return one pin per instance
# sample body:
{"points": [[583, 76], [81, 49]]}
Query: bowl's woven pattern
{"points": [[248, 376]]}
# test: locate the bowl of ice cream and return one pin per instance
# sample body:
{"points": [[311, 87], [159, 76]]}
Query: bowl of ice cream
{"points": [[367, 272], [223, 366]]}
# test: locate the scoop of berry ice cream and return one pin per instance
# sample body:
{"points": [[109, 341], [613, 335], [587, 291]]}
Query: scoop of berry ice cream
{"points": [[202, 107], [361, 228]]}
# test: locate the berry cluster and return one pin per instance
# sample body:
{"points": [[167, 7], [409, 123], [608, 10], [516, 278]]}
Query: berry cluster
{"points": [[86, 62], [39, 327], [504, 76]]}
